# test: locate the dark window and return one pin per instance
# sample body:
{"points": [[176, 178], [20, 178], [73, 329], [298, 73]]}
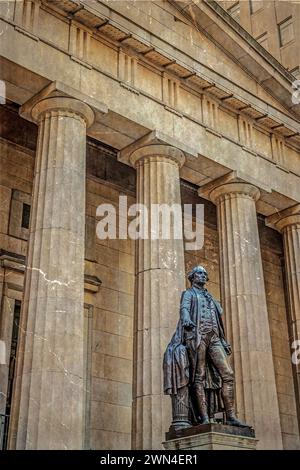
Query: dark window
{"points": [[255, 5], [286, 31], [25, 215], [263, 40], [234, 11], [296, 72]]}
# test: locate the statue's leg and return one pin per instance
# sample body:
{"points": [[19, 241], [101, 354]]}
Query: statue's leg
{"points": [[199, 391], [221, 363]]}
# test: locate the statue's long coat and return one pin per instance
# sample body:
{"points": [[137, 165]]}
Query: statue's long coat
{"points": [[178, 370]]}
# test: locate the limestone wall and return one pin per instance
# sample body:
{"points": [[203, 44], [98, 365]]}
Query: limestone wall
{"points": [[16, 173], [112, 315], [110, 311]]}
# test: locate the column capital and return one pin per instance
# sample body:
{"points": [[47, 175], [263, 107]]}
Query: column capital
{"points": [[158, 145], [231, 183], [58, 96], [65, 105], [157, 152], [280, 220]]}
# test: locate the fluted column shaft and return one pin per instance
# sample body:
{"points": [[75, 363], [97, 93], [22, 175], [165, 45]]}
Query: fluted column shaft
{"points": [[50, 387], [160, 280], [291, 237], [244, 300], [288, 223]]}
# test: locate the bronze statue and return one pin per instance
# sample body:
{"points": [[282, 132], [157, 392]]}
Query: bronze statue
{"points": [[197, 373]]}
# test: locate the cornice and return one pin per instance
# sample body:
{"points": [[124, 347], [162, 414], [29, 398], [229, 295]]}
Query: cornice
{"points": [[260, 64], [197, 78]]}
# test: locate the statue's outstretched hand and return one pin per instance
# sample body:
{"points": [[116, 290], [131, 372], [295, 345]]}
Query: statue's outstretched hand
{"points": [[188, 323]]}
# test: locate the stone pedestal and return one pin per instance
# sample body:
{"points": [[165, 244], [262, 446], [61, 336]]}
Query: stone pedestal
{"points": [[50, 385], [211, 437], [160, 279], [246, 315]]}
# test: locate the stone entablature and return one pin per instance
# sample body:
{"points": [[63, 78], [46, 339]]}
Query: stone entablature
{"points": [[181, 69], [86, 23]]}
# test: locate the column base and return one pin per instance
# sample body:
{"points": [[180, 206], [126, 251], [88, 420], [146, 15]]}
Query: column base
{"points": [[211, 437]]}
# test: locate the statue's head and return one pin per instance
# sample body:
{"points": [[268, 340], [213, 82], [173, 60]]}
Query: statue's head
{"points": [[198, 275]]}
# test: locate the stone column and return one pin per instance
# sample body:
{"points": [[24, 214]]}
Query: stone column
{"points": [[244, 301], [50, 386], [160, 279], [288, 223]]}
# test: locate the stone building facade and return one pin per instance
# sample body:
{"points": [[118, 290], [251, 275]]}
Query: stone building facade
{"points": [[164, 102], [274, 24]]}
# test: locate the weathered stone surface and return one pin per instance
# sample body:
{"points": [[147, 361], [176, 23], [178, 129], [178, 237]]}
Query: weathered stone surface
{"points": [[53, 286], [246, 315], [288, 223], [143, 89], [212, 437], [160, 280]]}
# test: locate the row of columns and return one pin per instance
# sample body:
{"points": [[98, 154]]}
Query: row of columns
{"points": [[49, 393], [243, 297]]}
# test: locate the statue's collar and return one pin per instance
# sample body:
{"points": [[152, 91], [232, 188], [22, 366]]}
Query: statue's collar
{"points": [[204, 292], [199, 289]]}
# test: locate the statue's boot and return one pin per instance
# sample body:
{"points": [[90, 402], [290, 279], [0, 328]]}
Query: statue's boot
{"points": [[228, 399], [201, 403]]}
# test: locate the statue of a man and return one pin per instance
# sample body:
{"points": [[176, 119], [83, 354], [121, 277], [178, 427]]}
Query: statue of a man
{"points": [[197, 372]]}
